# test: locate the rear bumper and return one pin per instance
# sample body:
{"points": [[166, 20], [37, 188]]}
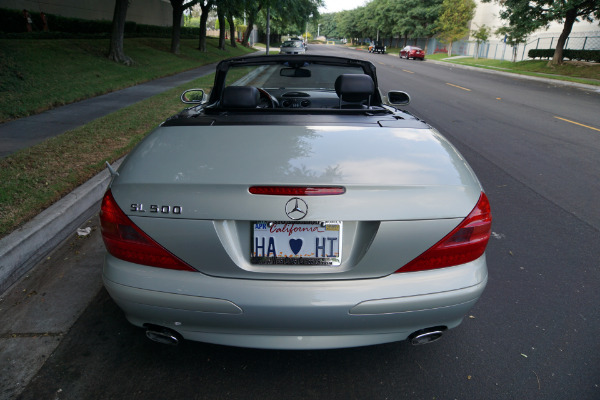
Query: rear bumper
{"points": [[298, 314]]}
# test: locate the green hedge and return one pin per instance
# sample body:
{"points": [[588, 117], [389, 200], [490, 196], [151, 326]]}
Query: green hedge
{"points": [[580, 55], [12, 25]]}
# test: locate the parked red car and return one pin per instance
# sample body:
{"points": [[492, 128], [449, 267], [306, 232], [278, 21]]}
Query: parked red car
{"points": [[412, 52]]}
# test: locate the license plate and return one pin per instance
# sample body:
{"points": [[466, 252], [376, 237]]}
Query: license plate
{"points": [[296, 243]]}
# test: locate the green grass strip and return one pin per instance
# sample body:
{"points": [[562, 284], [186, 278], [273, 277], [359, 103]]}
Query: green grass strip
{"points": [[572, 71], [37, 75], [34, 178]]}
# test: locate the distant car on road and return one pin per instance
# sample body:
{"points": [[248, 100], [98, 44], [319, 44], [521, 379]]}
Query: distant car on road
{"points": [[292, 47], [412, 52], [300, 40], [377, 47]]}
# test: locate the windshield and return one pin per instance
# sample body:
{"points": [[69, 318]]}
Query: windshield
{"points": [[283, 76], [292, 44]]}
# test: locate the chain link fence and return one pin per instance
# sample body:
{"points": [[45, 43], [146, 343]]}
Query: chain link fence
{"points": [[499, 50]]}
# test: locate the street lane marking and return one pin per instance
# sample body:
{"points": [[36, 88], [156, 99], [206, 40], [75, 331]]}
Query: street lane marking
{"points": [[460, 87], [410, 72], [577, 123]]}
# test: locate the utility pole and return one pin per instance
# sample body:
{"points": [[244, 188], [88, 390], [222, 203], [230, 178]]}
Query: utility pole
{"points": [[268, 28]]}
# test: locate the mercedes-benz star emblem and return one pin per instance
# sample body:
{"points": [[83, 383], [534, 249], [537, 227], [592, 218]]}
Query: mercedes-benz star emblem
{"points": [[296, 208]]}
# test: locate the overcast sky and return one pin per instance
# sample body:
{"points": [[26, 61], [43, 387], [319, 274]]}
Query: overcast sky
{"points": [[332, 6]]}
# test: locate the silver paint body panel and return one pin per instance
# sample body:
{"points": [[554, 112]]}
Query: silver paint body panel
{"points": [[187, 187], [294, 314]]}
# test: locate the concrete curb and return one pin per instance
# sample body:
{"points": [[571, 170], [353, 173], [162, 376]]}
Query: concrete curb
{"points": [[24, 248]]}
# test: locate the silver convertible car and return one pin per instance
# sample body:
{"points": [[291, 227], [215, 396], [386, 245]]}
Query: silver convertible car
{"points": [[295, 207]]}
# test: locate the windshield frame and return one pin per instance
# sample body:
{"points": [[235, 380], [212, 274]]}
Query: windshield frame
{"points": [[296, 61]]}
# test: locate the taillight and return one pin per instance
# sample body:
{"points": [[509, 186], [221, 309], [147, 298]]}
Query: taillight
{"points": [[467, 242], [124, 240], [298, 190]]}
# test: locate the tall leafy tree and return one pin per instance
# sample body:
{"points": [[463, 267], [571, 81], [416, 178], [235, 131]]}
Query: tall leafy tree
{"points": [[115, 51], [205, 6], [252, 8], [400, 12], [232, 31], [423, 15], [234, 9], [481, 35], [328, 26], [290, 16], [353, 24], [178, 7], [227, 11], [529, 15], [222, 26], [453, 23]]}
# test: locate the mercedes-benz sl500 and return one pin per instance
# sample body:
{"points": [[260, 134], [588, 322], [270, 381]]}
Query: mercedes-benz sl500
{"points": [[295, 207]]}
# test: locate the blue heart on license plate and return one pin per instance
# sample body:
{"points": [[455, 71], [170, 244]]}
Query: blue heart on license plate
{"points": [[295, 245]]}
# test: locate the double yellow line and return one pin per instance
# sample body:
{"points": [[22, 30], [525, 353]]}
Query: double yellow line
{"points": [[456, 86], [577, 123]]}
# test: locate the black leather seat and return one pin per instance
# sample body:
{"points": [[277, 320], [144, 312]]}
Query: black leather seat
{"points": [[240, 97], [355, 89]]}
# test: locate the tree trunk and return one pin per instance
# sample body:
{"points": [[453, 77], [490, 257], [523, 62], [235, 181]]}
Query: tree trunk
{"points": [[558, 52], [176, 32], [203, 18], [222, 28], [426, 44], [246, 37], [232, 32], [450, 50], [115, 51], [251, 18]]}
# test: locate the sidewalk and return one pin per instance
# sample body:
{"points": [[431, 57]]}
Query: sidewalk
{"points": [[25, 132]]}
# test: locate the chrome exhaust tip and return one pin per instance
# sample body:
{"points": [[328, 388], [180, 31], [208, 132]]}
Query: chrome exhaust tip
{"points": [[425, 336], [162, 335]]}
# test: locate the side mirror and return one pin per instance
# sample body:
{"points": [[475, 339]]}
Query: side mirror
{"points": [[192, 96], [398, 98]]}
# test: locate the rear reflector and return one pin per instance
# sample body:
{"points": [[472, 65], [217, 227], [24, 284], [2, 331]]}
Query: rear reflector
{"points": [[298, 190], [466, 243], [124, 240]]}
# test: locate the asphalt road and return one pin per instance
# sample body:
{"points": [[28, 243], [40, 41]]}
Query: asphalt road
{"points": [[533, 334]]}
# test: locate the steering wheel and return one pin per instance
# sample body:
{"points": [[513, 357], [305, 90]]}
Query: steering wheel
{"points": [[267, 100]]}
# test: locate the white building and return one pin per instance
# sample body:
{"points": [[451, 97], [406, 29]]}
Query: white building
{"points": [[489, 14]]}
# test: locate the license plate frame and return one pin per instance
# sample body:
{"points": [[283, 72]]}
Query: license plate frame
{"points": [[307, 243]]}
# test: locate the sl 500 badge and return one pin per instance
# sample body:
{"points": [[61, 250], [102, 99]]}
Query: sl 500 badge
{"points": [[156, 209]]}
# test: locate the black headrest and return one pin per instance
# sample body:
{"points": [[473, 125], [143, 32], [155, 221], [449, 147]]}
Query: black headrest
{"points": [[240, 97], [354, 87]]}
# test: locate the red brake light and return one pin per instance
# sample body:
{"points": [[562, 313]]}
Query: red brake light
{"points": [[124, 240], [467, 242], [298, 190]]}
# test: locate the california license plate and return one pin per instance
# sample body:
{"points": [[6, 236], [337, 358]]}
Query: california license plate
{"points": [[297, 243]]}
